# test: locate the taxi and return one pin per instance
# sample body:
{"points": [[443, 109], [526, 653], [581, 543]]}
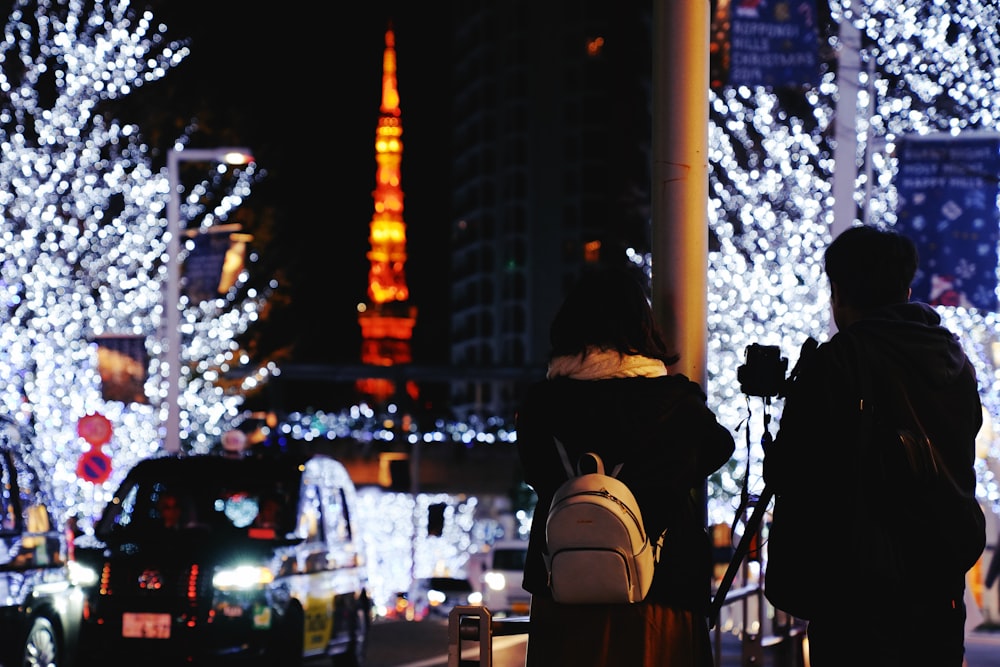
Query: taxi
{"points": [[215, 559]]}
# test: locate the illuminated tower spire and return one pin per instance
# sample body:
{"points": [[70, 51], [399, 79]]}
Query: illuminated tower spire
{"points": [[387, 319]]}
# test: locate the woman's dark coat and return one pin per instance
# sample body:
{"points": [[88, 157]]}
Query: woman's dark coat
{"points": [[669, 441]]}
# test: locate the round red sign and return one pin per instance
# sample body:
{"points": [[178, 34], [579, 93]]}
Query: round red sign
{"points": [[95, 428]]}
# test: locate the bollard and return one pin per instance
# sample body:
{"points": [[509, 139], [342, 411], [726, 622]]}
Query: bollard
{"points": [[476, 624], [483, 635]]}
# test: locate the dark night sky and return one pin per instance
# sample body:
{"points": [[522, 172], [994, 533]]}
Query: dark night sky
{"points": [[304, 90]]}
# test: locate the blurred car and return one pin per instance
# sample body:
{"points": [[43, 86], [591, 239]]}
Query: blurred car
{"points": [[40, 608], [503, 572], [260, 563], [437, 596]]}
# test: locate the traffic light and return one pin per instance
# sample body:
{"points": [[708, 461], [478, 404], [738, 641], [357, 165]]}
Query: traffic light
{"points": [[435, 519]]}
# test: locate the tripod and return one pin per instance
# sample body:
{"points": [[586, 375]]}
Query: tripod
{"points": [[751, 527]]}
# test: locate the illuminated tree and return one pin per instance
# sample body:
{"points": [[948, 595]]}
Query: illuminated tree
{"points": [[82, 241], [925, 67]]}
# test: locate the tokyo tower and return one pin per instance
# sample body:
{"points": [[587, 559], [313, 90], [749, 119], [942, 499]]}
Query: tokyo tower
{"points": [[387, 319]]}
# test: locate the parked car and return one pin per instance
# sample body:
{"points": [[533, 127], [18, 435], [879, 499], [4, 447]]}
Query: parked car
{"points": [[437, 596], [502, 575], [40, 608], [261, 562]]}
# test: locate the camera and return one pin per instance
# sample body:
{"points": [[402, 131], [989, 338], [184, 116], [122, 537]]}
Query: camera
{"points": [[763, 374]]}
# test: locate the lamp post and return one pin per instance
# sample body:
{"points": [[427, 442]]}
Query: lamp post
{"points": [[172, 296]]}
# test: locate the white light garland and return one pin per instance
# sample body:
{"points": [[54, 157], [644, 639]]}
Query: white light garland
{"points": [[82, 221]]}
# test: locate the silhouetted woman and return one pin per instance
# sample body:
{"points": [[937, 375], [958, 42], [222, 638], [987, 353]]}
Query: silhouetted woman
{"points": [[608, 391]]}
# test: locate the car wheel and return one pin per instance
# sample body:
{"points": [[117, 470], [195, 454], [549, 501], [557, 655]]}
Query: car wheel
{"points": [[356, 654], [41, 648]]}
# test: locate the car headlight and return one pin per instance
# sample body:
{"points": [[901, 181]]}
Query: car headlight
{"points": [[81, 575], [495, 580], [242, 578], [475, 598]]}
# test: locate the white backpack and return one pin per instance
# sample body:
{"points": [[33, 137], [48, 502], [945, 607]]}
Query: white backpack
{"points": [[598, 549]]}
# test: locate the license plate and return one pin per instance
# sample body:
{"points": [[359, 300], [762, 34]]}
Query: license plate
{"points": [[148, 626]]}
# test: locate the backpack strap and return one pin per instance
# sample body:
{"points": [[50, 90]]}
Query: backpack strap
{"points": [[570, 472], [565, 459]]}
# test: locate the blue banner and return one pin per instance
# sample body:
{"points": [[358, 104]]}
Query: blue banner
{"points": [[203, 266], [214, 263], [948, 188], [765, 43]]}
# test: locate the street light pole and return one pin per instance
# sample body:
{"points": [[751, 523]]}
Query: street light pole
{"points": [[172, 295]]}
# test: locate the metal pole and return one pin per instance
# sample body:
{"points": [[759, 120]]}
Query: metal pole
{"points": [[171, 308], [845, 150], [172, 296]]}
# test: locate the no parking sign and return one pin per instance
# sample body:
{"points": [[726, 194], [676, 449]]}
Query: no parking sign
{"points": [[94, 465]]}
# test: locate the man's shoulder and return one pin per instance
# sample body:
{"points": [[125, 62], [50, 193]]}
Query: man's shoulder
{"points": [[843, 353], [826, 370]]}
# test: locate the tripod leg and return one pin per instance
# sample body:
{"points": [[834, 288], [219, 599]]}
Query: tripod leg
{"points": [[739, 553]]}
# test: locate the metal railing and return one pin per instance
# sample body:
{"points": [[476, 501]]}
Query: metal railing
{"points": [[782, 646]]}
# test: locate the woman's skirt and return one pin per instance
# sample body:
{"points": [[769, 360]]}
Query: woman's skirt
{"points": [[645, 634]]}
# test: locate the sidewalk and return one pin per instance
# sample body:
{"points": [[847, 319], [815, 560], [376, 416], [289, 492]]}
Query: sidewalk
{"points": [[982, 649]]}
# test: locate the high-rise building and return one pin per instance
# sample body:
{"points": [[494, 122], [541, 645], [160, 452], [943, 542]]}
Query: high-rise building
{"points": [[551, 172]]}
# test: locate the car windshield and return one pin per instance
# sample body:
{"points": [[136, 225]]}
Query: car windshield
{"points": [[509, 559], [448, 584], [261, 511]]}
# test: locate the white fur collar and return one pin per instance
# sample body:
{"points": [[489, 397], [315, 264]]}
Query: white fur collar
{"points": [[603, 364]]}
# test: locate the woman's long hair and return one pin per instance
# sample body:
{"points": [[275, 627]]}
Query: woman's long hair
{"points": [[607, 310]]}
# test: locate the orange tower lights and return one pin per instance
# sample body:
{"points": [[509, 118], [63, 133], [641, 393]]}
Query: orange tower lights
{"points": [[387, 320]]}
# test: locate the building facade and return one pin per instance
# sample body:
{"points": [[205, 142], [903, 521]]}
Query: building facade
{"points": [[551, 173]]}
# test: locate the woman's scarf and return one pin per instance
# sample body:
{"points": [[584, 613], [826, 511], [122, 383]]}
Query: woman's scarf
{"points": [[603, 364]]}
